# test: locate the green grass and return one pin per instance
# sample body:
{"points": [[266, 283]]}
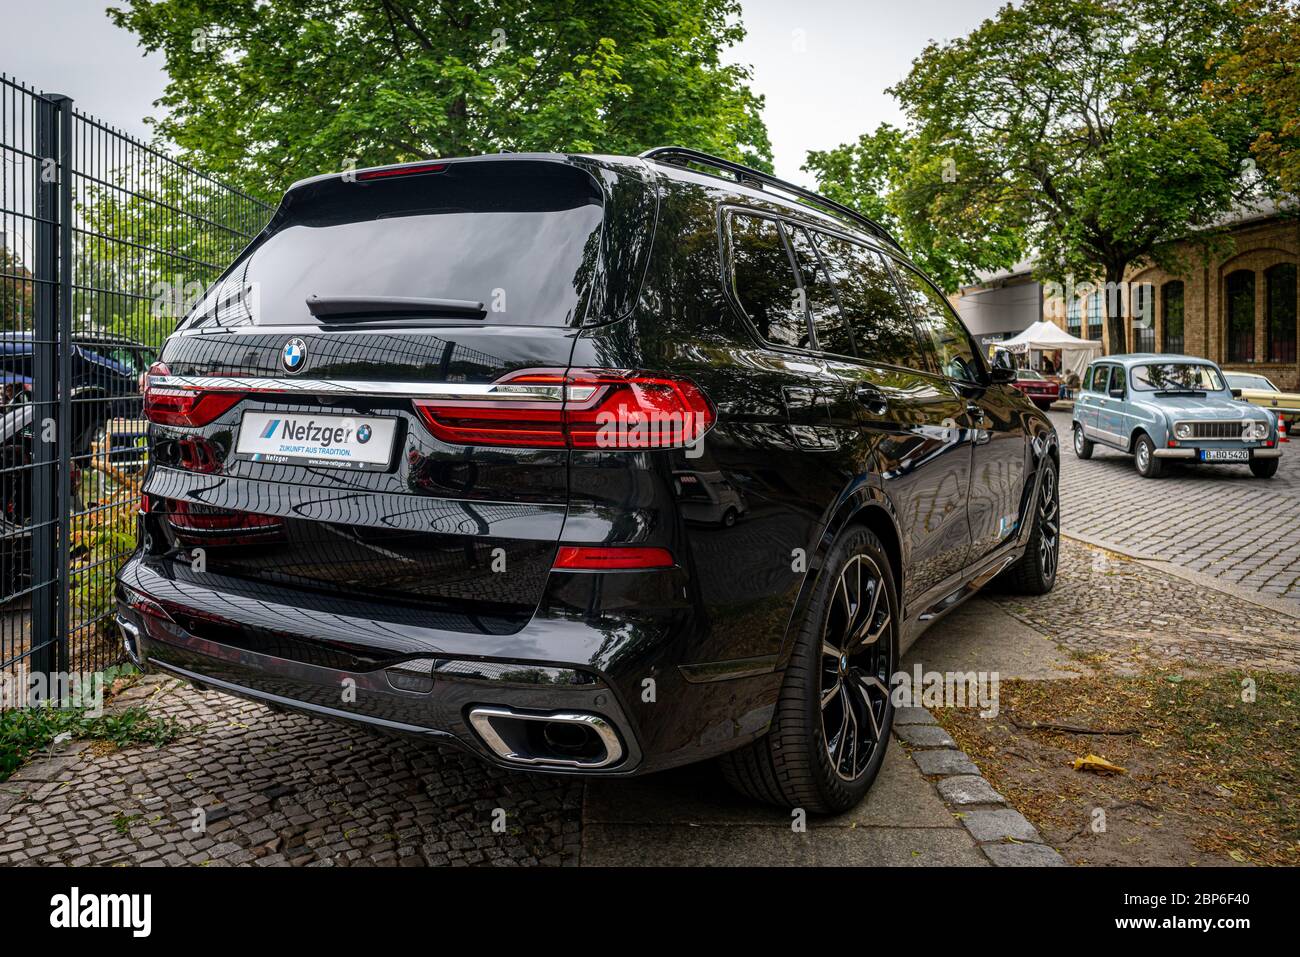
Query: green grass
{"points": [[25, 731]]}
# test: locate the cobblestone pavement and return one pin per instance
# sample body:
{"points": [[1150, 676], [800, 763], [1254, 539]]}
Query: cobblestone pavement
{"points": [[1216, 519], [1134, 615], [278, 789]]}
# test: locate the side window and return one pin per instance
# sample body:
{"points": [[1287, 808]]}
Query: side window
{"points": [[879, 321], [936, 322], [833, 334], [1100, 376], [764, 281], [1117, 377]]}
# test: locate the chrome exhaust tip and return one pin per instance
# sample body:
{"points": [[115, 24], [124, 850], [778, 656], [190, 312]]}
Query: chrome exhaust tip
{"points": [[561, 739], [130, 633]]}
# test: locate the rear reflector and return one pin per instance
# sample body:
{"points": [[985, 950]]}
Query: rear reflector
{"points": [[573, 557], [188, 407], [581, 409]]}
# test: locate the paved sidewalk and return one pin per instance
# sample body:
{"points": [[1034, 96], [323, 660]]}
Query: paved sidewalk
{"points": [[278, 789]]}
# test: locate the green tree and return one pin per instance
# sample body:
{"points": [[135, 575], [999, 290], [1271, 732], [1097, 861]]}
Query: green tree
{"points": [[862, 174], [261, 94], [1075, 130], [16, 292], [1265, 70]]}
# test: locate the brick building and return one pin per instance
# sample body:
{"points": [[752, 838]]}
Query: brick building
{"points": [[1238, 308]]}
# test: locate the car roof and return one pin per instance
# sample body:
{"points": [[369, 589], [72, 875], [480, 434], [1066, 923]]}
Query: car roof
{"points": [[748, 190], [1139, 358]]}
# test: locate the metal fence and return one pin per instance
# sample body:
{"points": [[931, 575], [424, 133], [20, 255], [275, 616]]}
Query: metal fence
{"points": [[104, 241]]}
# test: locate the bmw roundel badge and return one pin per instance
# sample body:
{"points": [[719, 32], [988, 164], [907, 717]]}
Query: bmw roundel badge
{"points": [[363, 434], [294, 355]]}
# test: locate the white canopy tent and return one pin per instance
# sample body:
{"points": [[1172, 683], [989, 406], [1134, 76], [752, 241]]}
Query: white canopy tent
{"points": [[1045, 336]]}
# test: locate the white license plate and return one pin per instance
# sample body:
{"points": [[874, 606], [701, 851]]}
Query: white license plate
{"points": [[1225, 455], [335, 441]]}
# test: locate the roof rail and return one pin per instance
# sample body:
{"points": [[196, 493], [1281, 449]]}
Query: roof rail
{"points": [[747, 175]]}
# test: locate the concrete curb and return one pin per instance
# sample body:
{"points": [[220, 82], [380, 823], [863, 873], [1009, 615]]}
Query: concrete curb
{"points": [[1280, 605], [1002, 833]]}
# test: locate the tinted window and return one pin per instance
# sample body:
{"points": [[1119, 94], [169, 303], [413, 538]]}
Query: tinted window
{"points": [[833, 333], [880, 322], [1117, 378], [936, 321], [1100, 374], [521, 238], [764, 281]]}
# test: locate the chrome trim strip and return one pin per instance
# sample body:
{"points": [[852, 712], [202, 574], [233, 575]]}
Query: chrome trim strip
{"points": [[532, 392], [728, 670], [1106, 432], [481, 719], [1174, 453]]}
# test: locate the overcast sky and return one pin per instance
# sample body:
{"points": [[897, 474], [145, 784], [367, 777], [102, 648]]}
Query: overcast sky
{"points": [[823, 65]]}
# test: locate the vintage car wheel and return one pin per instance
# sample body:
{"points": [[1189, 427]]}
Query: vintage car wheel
{"points": [[1263, 468], [1144, 457], [1082, 444]]}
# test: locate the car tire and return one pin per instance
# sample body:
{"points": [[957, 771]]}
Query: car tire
{"points": [[729, 518], [1144, 457], [1034, 573], [1263, 468], [793, 765], [1082, 444]]}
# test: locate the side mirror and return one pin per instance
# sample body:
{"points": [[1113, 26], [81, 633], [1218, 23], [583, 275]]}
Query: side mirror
{"points": [[1002, 372], [1236, 393], [1117, 392]]}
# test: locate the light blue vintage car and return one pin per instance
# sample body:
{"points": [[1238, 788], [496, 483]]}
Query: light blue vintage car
{"points": [[1161, 407]]}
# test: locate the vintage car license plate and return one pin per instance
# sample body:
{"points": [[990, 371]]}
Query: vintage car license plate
{"points": [[334, 441], [1225, 455]]}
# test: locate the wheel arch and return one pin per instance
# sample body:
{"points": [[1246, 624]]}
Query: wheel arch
{"points": [[866, 507]]}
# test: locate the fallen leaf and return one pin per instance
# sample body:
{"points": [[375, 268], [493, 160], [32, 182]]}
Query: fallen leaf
{"points": [[1097, 765]]}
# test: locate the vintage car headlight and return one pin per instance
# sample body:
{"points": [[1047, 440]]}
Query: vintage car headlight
{"points": [[1259, 430], [1183, 430]]}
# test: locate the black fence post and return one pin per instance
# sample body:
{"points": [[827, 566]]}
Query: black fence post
{"points": [[45, 523], [66, 423]]}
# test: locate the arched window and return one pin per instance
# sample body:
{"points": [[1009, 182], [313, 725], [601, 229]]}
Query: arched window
{"points": [[1144, 317], [1280, 306], [1172, 294], [1239, 302]]}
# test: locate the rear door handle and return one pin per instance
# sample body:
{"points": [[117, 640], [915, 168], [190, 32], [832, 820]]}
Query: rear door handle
{"points": [[872, 399]]}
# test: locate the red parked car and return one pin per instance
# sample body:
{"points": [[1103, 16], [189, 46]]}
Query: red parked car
{"points": [[1041, 390]]}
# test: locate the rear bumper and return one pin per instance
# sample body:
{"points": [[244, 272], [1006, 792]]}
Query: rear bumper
{"points": [[395, 676]]}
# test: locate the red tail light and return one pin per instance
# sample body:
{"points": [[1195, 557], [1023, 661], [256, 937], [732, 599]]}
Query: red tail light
{"points": [[581, 409], [181, 406], [574, 557], [391, 171]]}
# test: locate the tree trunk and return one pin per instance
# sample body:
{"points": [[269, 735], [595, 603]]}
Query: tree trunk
{"points": [[1115, 301]]}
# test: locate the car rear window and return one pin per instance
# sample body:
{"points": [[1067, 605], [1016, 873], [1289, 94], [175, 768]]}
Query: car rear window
{"points": [[521, 238]]}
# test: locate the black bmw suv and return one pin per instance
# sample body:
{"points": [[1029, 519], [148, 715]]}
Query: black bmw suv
{"points": [[586, 464]]}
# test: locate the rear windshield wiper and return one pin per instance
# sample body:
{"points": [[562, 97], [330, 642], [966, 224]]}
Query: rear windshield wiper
{"points": [[364, 308]]}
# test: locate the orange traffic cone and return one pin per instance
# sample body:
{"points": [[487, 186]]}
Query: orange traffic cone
{"points": [[1281, 430]]}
